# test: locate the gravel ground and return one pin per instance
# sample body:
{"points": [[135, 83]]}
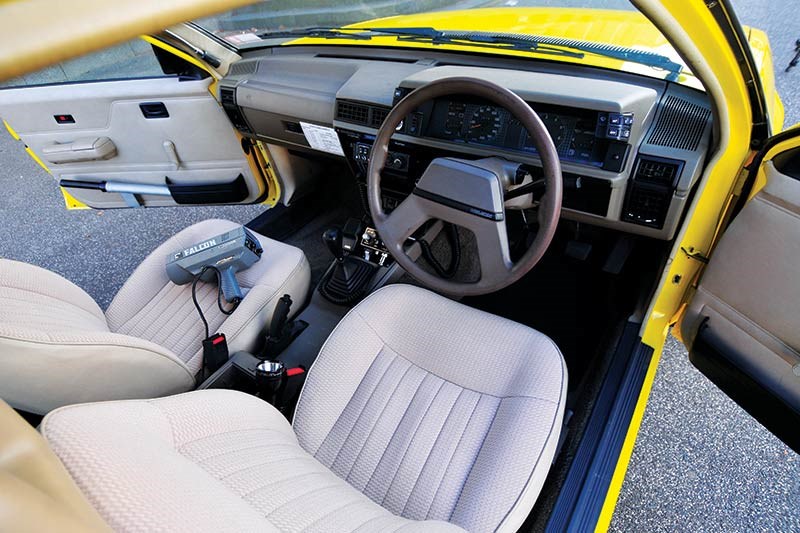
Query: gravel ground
{"points": [[700, 463]]}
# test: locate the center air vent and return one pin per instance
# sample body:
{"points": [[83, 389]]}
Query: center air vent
{"points": [[680, 124], [363, 114]]}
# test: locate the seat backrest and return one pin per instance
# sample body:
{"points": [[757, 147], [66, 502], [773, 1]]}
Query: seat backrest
{"points": [[32, 298], [436, 410], [56, 348]]}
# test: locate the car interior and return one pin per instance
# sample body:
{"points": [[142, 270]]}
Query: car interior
{"points": [[460, 250]]}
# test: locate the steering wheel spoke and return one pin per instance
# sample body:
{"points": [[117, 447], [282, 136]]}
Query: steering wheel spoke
{"points": [[493, 249], [404, 220]]}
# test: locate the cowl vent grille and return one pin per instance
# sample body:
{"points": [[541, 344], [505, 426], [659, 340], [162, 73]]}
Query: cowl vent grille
{"points": [[680, 125], [358, 113]]}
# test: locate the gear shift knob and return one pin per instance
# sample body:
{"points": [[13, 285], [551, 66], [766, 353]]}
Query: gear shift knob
{"points": [[333, 240]]}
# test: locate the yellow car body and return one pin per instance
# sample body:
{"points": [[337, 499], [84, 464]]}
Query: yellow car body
{"points": [[688, 24]]}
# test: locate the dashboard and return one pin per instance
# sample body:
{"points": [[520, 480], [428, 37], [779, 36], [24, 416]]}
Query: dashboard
{"points": [[631, 148]]}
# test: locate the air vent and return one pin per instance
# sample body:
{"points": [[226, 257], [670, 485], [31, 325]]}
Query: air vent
{"points": [[657, 171], [650, 190], [680, 124], [241, 68], [647, 205], [377, 117], [227, 96], [352, 112], [358, 113]]}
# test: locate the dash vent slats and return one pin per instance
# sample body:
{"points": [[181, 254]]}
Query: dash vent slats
{"points": [[679, 125], [358, 113]]}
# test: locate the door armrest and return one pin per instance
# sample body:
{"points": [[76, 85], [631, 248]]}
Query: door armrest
{"points": [[79, 150]]}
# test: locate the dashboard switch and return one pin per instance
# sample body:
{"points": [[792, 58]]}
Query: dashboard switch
{"points": [[615, 157]]}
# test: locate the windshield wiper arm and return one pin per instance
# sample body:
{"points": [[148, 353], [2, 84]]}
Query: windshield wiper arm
{"points": [[321, 33]]}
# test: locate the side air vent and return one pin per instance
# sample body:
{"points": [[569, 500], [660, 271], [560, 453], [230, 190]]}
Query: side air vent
{"points": [[227, 97], [241, 68], [650, 191], [358, 113], [680, 124]]}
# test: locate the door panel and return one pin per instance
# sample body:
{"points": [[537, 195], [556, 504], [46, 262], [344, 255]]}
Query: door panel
{"points": [[743, 325], [163, 130]]}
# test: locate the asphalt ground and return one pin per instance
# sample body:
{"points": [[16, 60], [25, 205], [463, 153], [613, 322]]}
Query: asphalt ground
{"points": [[700, 463]]}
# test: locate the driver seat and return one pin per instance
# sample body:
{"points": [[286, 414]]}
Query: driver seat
{"points": [[419, 414]]}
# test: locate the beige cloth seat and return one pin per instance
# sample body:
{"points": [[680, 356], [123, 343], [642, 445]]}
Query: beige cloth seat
{"points": [[420, 414], [57, 347]]}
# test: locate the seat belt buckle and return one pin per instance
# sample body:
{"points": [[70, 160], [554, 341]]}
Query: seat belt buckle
{"points": [[215, 352]]}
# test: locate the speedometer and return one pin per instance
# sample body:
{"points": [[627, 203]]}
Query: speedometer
{"points": [[485, 124]]}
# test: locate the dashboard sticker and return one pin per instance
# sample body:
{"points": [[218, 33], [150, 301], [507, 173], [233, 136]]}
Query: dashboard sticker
{"points": [[322, 138]]}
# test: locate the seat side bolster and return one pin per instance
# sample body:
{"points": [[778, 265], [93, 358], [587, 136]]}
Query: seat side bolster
{"points": [[43, 372], [19, 276]]}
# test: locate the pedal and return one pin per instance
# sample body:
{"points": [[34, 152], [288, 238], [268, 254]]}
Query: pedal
{"points": [[578, 250]]}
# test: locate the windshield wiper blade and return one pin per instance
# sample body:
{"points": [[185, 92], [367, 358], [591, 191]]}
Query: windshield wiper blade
{"points": [[484, 39], [650, 59], [321, 33], [536, 43]]}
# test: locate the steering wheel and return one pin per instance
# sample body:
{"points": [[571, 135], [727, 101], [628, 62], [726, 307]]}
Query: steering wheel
{"points": [[470, 194]]}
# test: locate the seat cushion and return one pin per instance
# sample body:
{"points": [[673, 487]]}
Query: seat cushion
{"points": [[436, 410], [209, 460], [151, 307]]}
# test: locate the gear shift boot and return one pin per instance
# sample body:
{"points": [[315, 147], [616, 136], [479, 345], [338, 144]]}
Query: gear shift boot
{"points": [[345, 281]]}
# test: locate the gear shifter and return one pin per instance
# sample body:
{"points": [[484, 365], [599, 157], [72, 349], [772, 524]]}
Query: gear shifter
{"points": [[333, 240], [346, 279]]}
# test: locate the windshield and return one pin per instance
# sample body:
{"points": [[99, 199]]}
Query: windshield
{"points": [[616, 36]]}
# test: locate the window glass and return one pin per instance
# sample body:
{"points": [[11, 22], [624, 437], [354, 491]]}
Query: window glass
{"points": [[134, 59]]}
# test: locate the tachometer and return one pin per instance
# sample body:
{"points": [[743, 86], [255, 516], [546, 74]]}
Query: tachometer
{"points": [[485, 124]]}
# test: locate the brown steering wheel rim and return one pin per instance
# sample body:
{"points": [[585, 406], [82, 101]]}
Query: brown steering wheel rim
{"points": [[549, 205]]}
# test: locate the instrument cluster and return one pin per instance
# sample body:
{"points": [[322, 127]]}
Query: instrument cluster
{"points": [[580, 135]]}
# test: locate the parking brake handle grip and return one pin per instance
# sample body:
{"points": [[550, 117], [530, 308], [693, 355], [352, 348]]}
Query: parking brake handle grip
{"points": [[280, 316]]}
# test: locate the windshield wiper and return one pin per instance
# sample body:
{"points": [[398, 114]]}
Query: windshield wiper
{"points": [[536, 43], [321, 33], [509, 41]]}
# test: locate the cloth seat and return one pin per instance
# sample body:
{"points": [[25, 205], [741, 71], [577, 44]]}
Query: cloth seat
{"points": [[419, 414], [57, 347]]}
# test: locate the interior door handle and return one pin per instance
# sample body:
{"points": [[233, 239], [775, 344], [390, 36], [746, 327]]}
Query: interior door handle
{"points": [[154, 110]]}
